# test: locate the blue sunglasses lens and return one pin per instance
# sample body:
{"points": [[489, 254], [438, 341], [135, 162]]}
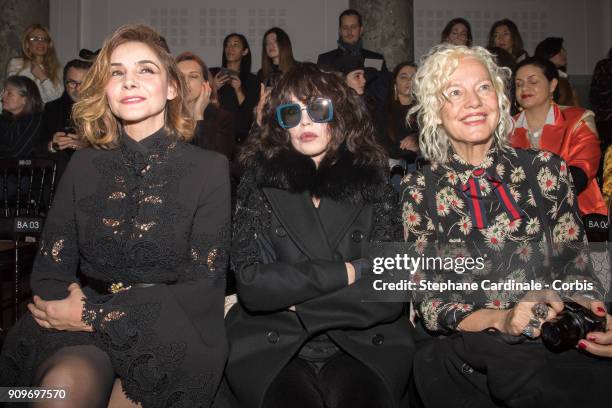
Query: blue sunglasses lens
{"points": [[319, 110]]}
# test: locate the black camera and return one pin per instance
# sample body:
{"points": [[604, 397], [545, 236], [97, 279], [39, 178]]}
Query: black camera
{"points": [[572, 324]]}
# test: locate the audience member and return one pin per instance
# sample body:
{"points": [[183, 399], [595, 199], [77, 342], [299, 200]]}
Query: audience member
{"points": [[214, 126], [57, 125], [505, 35], [398, 129], [350, 29], [39, 62], [237, 87], [567, 131], [314, 194], [276, 56], [20, 121], [551, 49], [458, 31], [144, 217], [481, 192]]}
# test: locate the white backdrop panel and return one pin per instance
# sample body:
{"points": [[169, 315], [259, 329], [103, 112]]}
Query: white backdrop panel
{"points": [[199, 26]]}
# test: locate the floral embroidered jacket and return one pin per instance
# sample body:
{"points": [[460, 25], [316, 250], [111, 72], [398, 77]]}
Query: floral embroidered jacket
{"points": [[444, 311]]}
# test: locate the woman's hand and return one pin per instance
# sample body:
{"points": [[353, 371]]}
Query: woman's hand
{"points": [[350, 273], [221, 79], [597, 343], [522, 318], [264, 94], [409, 143], [65, 140], [235, 83], [38, 70], [202, 102], [62, 314]]}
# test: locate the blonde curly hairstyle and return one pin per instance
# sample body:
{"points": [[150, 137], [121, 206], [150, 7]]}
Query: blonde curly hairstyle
{"points": [[429, 84]]}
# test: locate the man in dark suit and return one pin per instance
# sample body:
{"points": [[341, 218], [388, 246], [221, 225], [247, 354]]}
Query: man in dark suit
{"points": [[350, 29]]}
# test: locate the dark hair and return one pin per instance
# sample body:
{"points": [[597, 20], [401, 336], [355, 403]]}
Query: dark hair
{"points": [[449, 27], [28, 89], [610, 53], [503, 58], [548, 69], [395, 107], [517, 40], [350, 12], [351, 125], [190, 56], [549, 47], [245, 61], [285, 53], [77, 64]]}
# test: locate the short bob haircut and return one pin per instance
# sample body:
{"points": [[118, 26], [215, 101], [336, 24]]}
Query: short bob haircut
{"points": [[28, 89], [429, 84], [517, 40], [351, 124], [206, 75], [50, 60], [92, 115], [285, 52], [449, 27]]}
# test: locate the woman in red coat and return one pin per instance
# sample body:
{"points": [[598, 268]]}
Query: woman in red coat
{"points": [[567, 131]]}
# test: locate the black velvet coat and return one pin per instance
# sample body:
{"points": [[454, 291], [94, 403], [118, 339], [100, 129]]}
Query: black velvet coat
{"points": [[285, 253]]}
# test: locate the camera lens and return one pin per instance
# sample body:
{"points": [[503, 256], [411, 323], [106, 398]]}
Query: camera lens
{"points": [[571, 325], [563, 332]]}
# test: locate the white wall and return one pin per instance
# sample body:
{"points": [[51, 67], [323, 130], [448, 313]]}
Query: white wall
{"points": [[584, 24], [199, 26]]}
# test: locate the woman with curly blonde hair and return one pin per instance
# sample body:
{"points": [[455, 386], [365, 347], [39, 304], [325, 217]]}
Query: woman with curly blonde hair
{"points": [[144, 217], [479, 191], [39, 62]]}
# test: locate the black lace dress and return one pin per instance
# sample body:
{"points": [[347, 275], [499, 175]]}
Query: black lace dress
{"points": [[151, 218]]}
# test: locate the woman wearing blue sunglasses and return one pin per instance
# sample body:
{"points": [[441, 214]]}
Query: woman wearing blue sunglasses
{"points": [[313, 198]]}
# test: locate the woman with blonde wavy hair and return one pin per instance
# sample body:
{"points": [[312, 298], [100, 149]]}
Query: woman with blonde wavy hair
{"points": [[39, 62], [144, 217], [479, 191]]}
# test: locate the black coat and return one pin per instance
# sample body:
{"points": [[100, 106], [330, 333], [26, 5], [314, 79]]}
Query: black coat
{"points": [[287, 253], [331, 58], [216, 132]]}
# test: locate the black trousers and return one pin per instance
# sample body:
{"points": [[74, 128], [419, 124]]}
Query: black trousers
{"points": [[340, 382]]}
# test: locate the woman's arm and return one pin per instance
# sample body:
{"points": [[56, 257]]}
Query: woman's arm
{"points": [[57, 261], [359, 306], [264, 283]]}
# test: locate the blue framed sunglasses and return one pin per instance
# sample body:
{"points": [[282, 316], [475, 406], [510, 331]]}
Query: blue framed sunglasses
{"points": [[320, 110]]}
